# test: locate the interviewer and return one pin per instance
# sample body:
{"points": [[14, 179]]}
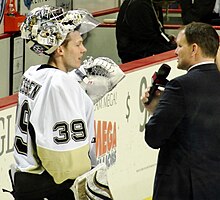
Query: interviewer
{"points": [[185, 122]]}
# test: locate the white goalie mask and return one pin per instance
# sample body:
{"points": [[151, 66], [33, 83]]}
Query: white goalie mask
{"points": [[45, 28]]}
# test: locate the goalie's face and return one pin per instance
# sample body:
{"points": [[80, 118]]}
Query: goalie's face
{"points": [[73, 51]]}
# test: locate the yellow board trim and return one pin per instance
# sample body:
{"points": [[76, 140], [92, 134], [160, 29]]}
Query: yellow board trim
{"points": [[148, 198]]}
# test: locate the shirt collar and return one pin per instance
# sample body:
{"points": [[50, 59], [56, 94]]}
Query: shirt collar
{"points": [[202, 63]]}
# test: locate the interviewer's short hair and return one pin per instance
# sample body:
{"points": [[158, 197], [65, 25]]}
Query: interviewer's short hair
{"points": [[204, 35]]}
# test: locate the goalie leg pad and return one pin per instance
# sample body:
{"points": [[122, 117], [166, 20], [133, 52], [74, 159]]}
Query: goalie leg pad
{"points": [[93, 185]]}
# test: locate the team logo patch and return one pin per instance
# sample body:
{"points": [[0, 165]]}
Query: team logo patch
{"points": [[38, 49]]}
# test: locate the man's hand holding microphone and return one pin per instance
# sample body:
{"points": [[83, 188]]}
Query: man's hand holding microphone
{"points": [[151, 95]]}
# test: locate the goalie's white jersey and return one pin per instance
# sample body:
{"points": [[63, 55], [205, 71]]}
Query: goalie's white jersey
{"points": [[54, 125]]}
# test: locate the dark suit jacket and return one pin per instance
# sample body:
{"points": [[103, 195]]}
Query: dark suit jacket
{"points": [[186, 128], [199, 11], [138, 32]]}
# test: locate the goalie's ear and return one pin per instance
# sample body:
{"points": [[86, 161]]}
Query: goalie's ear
{"points": [[60, 50]]}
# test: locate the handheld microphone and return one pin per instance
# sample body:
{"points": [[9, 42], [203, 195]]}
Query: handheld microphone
{"points": [[158, 80]]}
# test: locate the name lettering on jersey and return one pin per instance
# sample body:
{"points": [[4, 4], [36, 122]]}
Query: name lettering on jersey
{"points": [[105, 142], [29, 88]]}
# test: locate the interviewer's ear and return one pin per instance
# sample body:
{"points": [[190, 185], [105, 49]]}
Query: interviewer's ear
{"points": [[194, 48], [217, 59]]}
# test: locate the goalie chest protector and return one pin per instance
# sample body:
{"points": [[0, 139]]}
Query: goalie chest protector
{"points": [[52, 104]]}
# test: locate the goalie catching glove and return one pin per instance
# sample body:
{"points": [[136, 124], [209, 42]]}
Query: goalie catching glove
{"points": [[99, 76]]}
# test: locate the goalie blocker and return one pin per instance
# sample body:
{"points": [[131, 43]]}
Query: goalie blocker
{"points": [[98, 76]]}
